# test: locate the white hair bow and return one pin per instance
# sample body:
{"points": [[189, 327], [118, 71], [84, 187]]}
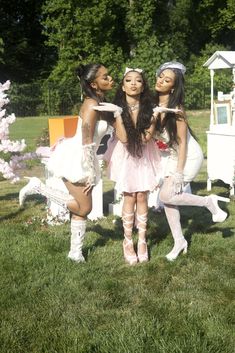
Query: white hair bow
{"points": [[171, 65], [128, 69]]}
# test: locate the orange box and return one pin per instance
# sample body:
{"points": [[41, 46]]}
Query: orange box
{"points": [[62, 127]]}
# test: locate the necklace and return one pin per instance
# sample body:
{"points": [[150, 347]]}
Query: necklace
{"points": [[133, 107]]}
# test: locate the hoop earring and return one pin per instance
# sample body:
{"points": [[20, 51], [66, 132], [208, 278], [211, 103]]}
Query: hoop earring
{"points": [[81, 92], [172, 90]]}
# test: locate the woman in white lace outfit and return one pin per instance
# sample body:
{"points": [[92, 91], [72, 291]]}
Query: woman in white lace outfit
{"points": [[185, 156], [74, 159]]}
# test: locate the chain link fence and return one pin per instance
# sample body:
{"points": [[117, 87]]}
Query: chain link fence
{"points": [[37, 99]]}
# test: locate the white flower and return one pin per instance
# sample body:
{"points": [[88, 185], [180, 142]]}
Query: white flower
{"points": [[8, 168]]}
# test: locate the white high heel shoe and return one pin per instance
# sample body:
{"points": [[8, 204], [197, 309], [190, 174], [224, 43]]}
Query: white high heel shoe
{"points": [[220, 215], [177, 249], [31, 188]]}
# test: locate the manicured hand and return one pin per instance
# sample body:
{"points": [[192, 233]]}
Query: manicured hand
{"points": [[178, 183], [109, 107], [87, 189], [157, 110]]}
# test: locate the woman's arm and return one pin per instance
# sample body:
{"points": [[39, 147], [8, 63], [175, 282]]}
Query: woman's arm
{"points": [[89, 118], [182, 129], [118, 124], [120, 129], [148, 133]]}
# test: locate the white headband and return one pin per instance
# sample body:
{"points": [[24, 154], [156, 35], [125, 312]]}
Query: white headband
{"points": [[171, 65], [128, 69]]}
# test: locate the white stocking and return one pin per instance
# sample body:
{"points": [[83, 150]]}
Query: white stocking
{"points": [[35, 186], [61, 198], [173, 218], [168, 196]]}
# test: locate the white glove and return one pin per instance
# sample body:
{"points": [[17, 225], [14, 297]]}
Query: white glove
{"points": [[178, 182], [109, 107], [89, 156], [157, 110]]}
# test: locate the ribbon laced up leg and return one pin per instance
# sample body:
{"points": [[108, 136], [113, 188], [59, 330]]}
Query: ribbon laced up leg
{"points": [[128, 247], [141, 226]]}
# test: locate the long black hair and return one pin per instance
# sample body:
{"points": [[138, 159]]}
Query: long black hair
{"points": [[176, 100], [134, 133], [86, 75]]}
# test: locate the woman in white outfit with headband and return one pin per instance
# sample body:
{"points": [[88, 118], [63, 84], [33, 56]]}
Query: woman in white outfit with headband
{"points": [[185, 156], [74, 159]]}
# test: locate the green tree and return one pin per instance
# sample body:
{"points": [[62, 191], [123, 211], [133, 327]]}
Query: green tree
{"points": [[198, 79], [80, 33], [1, 51], [25, 56]]}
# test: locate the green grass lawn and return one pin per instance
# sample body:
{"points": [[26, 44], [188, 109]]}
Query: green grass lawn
{"points": [[52, 305], [29, 129]]}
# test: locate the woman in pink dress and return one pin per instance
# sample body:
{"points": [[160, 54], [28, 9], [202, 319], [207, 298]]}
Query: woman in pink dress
{"points": [[133, 159]]}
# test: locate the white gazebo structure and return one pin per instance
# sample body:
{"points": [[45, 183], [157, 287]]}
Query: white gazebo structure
{"points": [[221, 135], [221, 60]]}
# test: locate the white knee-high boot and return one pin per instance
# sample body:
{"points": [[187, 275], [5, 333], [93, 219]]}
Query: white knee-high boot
{"points": [[35, 186], [78, 229]]}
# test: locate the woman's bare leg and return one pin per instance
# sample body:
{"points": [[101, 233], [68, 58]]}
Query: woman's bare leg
{"points": [[81, 206]]}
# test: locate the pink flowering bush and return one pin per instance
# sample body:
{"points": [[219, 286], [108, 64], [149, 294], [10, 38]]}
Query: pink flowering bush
{"points": [[11, 156]]}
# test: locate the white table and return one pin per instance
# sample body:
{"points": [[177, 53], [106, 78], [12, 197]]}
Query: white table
{"points": [[221, 155]]}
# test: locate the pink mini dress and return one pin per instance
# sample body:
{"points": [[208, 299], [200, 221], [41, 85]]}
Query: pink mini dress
{"points": [[133, 174]]}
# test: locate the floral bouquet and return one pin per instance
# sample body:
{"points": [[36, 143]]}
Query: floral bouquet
{"points": [[163, 147]]}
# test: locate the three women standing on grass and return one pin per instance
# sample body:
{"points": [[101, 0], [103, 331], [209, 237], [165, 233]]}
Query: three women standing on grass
{"points": [[74, 159], [134, 159]]}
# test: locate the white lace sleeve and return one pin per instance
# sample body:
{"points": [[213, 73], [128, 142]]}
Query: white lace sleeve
{"points": [[89, 156]]}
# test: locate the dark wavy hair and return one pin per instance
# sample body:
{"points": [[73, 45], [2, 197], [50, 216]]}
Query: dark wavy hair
{"points": [[176, 99], [86, 75], [134, 138]]}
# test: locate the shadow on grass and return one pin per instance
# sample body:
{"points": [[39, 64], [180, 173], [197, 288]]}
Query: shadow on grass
{"points": [[199, 220], [36, 198], [193, 220], [9, 196], [197, 186], [10, 215], [105, 234]]}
